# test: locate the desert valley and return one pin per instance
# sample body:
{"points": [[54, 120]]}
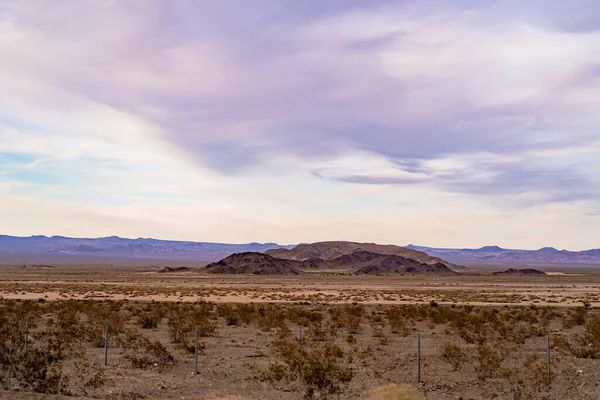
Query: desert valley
{"points": [[321, 320]]}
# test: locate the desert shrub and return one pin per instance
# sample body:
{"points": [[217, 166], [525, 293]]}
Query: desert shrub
{"points": [[489, 361], [246, 313], [380, 336], [150, 318], [588, 344], [528, 379], [560, 342], [185, 319], [148, 321], [317, 333], [575, 318], [143, 352], [348, 317], [454, 355], [230, 315], [270, 317], [397, 322], [317, 368], [472, 327], [40, 369], [303, 317], [97, 316], [393, 392]]}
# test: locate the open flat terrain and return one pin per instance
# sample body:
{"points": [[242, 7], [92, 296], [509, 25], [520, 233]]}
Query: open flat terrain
{"points": [[482, 336], [144, 283]]}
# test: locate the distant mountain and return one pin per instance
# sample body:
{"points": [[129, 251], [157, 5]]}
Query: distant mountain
{"points": [[498, 255], [331, 250], [114, 247], [490, 249]]}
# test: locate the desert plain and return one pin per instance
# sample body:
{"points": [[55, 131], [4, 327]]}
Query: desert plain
{"points": [[482, 336]]}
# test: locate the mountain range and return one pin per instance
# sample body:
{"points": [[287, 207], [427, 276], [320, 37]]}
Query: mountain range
{"points": [[494, 255], [113, 247], [317, 254]]}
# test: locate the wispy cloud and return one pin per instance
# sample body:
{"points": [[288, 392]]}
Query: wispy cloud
{"points": [[256, 106]]}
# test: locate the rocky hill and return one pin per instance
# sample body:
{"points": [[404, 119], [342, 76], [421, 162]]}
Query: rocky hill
{"points": [[255, 264], [524, 271], [368, 263], [327, 251], [359, 263]]}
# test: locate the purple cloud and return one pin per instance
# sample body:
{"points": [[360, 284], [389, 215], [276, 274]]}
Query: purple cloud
{"points": [[408, 81]]}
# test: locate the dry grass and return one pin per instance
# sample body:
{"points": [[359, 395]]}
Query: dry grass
{"points": [[341, 344], [393, 392]]}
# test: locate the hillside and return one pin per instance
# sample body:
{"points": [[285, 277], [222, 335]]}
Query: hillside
{"points": [[253, 263], [364, 262], [331, 250], [525, 271]]}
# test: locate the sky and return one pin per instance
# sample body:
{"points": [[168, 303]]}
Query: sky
{"points": [[456, 123]]}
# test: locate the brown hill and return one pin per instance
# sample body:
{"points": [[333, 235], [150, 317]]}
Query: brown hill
{"points": [[167, 270], [389, 269], [525, 271], [330, 250], [253, 263], [314, 263], [365, 262], [37, 266]]}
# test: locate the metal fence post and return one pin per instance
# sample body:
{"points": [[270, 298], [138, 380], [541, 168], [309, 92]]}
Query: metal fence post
{"points": [[196, 372], [300, 340], [106, 345], [418, 358], [26, 339], [548, 359]]}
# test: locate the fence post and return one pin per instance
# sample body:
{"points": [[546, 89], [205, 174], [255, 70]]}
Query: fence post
{"points": [[196, 372], [548, 359], [26, 338], [106, 345], [418, 358], [300, 340]]}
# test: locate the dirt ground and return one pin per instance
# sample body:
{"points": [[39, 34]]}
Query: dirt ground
{"points": [[236, 356], [145, 284]]}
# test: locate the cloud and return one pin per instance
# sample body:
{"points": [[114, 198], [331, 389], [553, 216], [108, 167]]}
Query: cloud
{"points": [[261, 105]]}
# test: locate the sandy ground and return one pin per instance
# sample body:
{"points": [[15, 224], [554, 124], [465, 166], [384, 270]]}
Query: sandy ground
{"points": [[228, 363], [562, 290]]}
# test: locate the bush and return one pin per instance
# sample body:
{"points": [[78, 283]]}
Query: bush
{"points": [[143, 352], [454, 355], [589, 342], [184, 320], [396, 321], [575, 318], [490, 361], [149, 320], [39, 371], [528, 379], [231, 316], [318, 368]]}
